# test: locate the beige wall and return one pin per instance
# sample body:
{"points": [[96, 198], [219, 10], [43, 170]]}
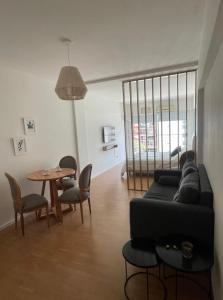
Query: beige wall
{"points": [[96, 111], [211, 74], [23, 95], [99, 113], [206, 56], [212, 154]]}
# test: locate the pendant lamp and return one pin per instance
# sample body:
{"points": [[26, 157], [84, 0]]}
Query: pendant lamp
{"points": [[70, 85]]}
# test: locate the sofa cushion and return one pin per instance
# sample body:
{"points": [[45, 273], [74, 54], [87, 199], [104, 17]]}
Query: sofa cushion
{"points": [[176, 196], [167, 172], [206, 193], [161, 192], [189, 167], [169, 180], [189, 191]]}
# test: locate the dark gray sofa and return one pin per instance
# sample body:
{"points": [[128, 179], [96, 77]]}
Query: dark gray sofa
{"points": [[156, 214]]}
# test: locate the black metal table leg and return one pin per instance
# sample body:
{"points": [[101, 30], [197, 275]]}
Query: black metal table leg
{"points": [[178, 275], [126, 271], [143, 257], [176, 285], [210, 286], [147, 273], [147, 282]]}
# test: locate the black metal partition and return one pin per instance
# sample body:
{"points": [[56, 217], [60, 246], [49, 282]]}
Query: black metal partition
{"points": [[160, 117]]}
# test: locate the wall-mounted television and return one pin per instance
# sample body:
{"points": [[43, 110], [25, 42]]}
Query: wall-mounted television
{"points": [[108, 134]]}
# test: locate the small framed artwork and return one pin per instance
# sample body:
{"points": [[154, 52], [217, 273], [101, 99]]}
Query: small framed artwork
{"points": [[29, 125], [20, 147]]}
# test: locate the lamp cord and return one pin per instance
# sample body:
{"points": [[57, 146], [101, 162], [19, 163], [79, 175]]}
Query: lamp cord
{"points": [[68, 53]]}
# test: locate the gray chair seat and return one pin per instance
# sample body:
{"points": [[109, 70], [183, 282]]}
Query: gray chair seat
{"points": [[25, 204], [73, 195], [80, 193], [66, 183], [32, 202]]}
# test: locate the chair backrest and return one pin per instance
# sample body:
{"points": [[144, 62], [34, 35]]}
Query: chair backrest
{"points": [[85, 178], [69, 162], [15, 192]]}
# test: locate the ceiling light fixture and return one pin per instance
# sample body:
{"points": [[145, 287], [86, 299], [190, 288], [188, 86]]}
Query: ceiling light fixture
{"points": [[70, 85]]}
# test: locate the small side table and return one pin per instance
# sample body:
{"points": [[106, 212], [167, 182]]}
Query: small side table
{"points": [[172, 256], [142, 257]]}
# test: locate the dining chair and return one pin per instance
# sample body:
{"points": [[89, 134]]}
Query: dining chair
{"points": [[68, 182], [80, 193], [25, 204]]}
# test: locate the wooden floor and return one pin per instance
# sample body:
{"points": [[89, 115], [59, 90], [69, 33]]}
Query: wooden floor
{"points": [[75, 261]]}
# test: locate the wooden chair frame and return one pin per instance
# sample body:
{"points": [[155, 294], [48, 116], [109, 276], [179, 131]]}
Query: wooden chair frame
{"points": [[18, 204]]}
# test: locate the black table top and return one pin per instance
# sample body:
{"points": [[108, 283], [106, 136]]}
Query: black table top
{"points": [[139, 256], [201, 260]]}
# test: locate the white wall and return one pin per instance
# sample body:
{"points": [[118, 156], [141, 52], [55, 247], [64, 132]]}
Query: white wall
{"points": [[99, 109], [212, 153], [23, 95], [211, 77], [99, 113], [81, 134], [211, 11]]}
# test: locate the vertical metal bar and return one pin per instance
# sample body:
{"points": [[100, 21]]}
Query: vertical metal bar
{"points": [[169, 119], [155, 76], [147, 160], [154, 138], [195, 118], [139, 132], [186, 113], [126, 133], [178, 121], [154, 122], [161, 118], [133, 154]]}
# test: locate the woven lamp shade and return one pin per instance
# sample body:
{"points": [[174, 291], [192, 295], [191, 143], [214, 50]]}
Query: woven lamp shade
{"points": [[70, 85]]}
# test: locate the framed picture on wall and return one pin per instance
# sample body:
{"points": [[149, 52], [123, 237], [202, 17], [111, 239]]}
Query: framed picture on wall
{"points": [[29, 125], [20, 147]]}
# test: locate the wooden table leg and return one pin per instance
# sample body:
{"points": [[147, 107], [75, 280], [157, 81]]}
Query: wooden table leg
{"points": [[43, 188], [39, 213], [54, 200], [52, 197]]}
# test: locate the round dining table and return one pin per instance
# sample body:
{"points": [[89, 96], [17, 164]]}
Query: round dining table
{"points": [[51, 176]]}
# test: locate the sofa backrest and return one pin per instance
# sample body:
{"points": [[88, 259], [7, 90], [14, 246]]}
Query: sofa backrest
{"points": [[206, 193]]}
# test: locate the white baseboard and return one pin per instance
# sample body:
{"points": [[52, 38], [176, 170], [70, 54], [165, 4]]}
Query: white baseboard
{"points": [[7, 224], [11, 222], [105, 170]]}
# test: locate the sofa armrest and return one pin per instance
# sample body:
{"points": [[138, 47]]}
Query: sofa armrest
{"points": [[161, 172], [153, 219]]}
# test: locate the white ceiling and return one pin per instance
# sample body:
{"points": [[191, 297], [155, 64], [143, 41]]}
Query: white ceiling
{"points": [[110, 37], [112, 90]]}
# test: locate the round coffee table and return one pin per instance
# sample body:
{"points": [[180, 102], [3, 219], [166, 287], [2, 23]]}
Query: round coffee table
{"points": [[141, 257], [169, 251]]}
